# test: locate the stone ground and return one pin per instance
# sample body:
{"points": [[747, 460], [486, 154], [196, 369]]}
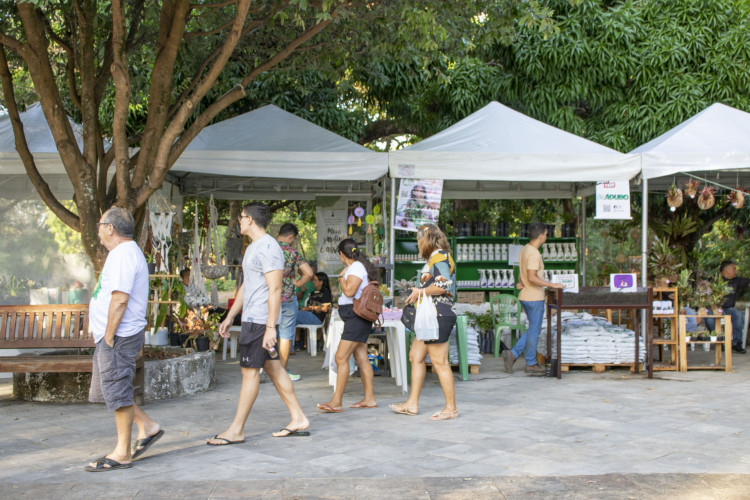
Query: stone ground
{"points": [[609, 435]]}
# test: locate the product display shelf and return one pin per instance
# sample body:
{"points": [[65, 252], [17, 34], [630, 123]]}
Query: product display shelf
{"points": [[661, 338], [722, 322], [468, 276]]}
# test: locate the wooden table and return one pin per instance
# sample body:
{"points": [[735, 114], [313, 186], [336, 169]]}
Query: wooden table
{"points": [[590, 297]]}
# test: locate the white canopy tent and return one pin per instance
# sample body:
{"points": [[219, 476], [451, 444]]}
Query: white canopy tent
{"points": [[276, 155], [499, 153], [14, 183], [713, 145]]}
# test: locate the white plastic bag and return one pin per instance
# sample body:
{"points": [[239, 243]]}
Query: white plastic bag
{"points": [[425, 322]]}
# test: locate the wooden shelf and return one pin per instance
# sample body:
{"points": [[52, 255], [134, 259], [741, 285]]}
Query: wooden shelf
{"points": [[726, 343], [673, 363]]}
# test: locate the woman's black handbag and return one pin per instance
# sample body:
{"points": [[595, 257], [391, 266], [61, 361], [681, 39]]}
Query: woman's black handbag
{"points": [[407, 316]]}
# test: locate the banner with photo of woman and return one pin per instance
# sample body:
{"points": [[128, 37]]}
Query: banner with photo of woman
{"points": [[418, 203]]}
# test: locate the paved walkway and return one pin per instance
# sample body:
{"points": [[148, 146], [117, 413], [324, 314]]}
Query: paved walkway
{"points": [[610, 435]]}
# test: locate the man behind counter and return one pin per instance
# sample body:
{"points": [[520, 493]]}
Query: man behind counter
{"points": [[729, 273]]}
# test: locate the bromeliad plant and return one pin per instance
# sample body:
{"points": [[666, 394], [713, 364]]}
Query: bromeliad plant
{"points": [[200, 323], [663, 263]]}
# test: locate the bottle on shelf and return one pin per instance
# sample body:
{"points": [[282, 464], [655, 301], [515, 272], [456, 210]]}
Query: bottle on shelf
{"points": [[482, 279]]}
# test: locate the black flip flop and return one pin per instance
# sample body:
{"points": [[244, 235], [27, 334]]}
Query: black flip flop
{"points": [[293, 433], [144, 444], [113, 465], [225, 443]]}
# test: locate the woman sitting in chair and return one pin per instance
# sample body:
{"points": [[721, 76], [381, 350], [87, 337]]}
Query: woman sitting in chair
{"points": [[319, 303], [438, 281]]}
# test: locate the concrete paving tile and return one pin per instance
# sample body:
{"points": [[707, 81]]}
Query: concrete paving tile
{"points": [[13, 490], [464, 452], [176, 489], [384, 470], [93, 490], [340, 462], [233, 489]]}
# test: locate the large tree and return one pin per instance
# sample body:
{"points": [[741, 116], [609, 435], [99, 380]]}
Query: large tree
{"points": [[151, 75]]}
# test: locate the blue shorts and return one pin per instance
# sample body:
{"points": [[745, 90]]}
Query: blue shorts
{"points": [[288, 319]]}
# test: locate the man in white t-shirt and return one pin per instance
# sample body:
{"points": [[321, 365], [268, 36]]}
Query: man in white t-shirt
{"points": [[117, 318], [259, 300]]}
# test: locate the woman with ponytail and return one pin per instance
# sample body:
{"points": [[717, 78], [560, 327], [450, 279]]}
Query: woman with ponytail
{"points": [[357, 273]]}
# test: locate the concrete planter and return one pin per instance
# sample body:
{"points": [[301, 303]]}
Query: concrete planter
{"points": [[175, 377], [164, 379]]}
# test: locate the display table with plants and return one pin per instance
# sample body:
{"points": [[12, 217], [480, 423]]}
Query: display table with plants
{"points": [[720, 339]]}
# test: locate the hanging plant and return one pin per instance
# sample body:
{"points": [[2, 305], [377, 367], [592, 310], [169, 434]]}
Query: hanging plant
{"points": [[674, 197], [706, 199], [736, 197], [691, 187]]}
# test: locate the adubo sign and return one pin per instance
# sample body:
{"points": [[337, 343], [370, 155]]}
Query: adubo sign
{"points": [[613, 200]]}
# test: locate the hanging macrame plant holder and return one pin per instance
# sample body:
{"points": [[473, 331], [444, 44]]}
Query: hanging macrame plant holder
{"points": [[160, 221], [212, 267], [195, 293], [234, 251]]}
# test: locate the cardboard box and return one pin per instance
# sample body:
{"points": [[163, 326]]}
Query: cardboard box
{"points": [[474, 298]]}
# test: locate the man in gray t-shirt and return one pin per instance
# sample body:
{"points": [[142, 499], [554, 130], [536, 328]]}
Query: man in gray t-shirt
{"points": [[259, 298], [262, 257]]}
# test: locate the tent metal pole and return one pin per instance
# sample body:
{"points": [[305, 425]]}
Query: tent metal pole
{"points": [[386, 235], [392, 231], [644, 233], [644, 256], [582, 249]]}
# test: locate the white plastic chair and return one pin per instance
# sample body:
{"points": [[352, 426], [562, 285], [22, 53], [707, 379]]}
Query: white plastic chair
{"points": [[312, 334]]}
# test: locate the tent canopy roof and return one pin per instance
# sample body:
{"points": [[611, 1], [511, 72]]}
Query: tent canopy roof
{"points": [[39, 138], [271, 146], [497, 143], [716, 139]]}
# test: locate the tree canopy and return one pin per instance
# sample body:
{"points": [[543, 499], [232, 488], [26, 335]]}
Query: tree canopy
{"points": [[151, 75]]}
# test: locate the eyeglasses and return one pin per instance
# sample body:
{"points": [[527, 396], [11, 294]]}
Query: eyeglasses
{"points": [[243, 216], [103, 223]]}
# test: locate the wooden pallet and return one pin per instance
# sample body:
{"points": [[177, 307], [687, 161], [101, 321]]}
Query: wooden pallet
{"points": [[473, 369], [598, 367]]}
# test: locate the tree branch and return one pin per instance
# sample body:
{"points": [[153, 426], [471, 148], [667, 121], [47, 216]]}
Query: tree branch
{"points": [[379, 129], [171, 29], [199, 73], [221, 28], [121, 77]]}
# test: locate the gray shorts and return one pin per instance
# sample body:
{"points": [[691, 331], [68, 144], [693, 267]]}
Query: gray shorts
{"points": [[113, 371]]}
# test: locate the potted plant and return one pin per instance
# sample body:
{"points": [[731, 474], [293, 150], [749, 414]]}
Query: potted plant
{"points": [[200, 329], [663, 263]]}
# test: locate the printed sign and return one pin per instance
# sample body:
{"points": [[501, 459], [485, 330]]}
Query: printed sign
{"points": [[418, 203], [570, 281], [613, 200], [623, 283], [331, 217]]}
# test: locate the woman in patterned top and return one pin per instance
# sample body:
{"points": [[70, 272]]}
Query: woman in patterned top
{"points": [[438, 281]]}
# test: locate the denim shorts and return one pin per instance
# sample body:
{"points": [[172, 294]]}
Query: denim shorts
{"points": [[288, 319], [113, 371]]}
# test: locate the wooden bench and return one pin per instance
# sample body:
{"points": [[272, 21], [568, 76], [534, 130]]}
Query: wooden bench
{"points": [[53, 327]]}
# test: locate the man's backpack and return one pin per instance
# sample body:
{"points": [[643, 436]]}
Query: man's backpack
{"points": [[369, 305]]}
